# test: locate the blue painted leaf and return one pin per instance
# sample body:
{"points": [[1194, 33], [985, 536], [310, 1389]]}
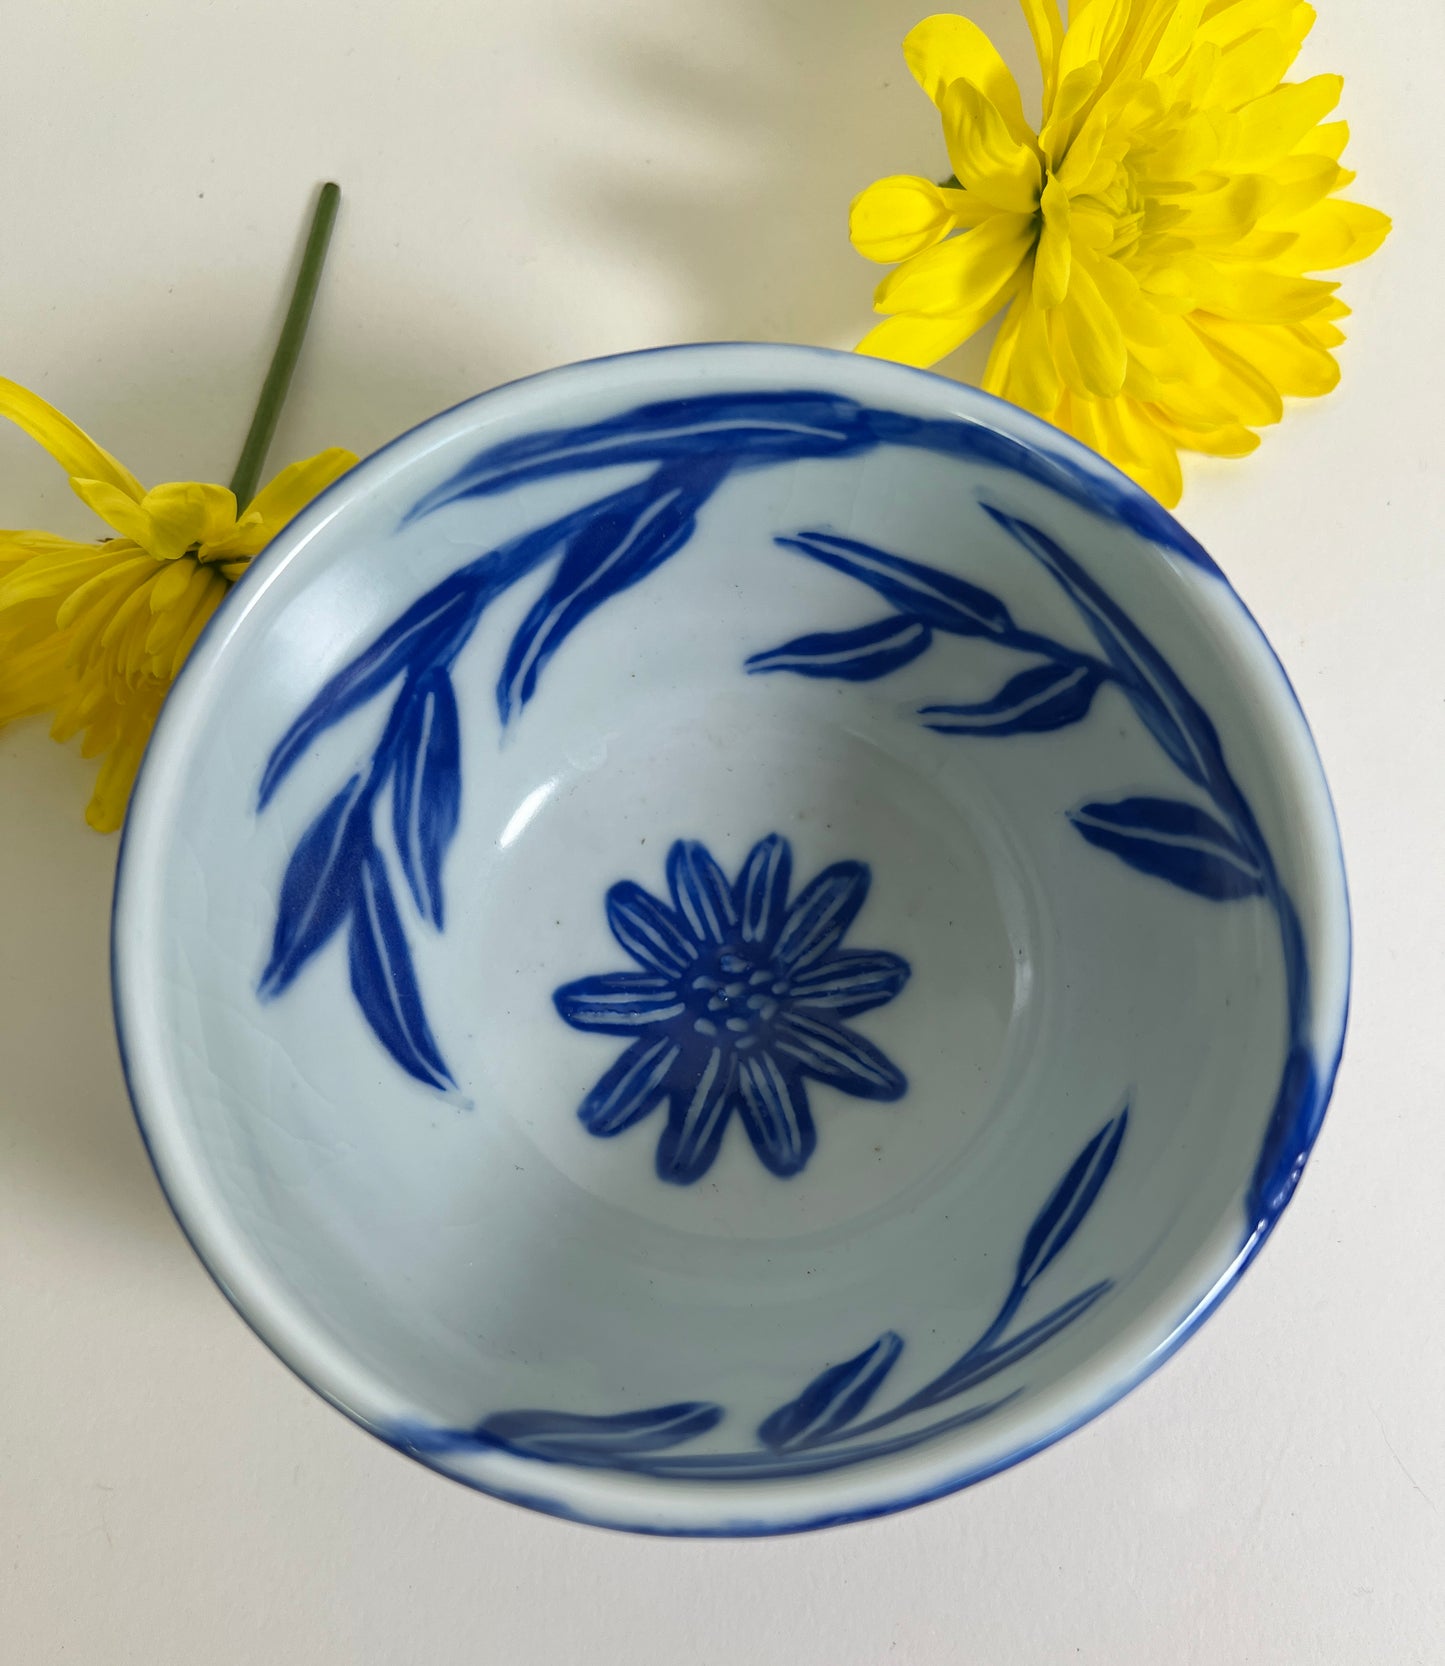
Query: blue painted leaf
{"points": [[1045, 697], [1070, 1201], [426, 787], [320, 885], [426, 631], [651, 934], [979, 1365], [631, 1087], [851, 982], [699, 1108], [760, 895], [618, 1003], [928, 594], [383, 981], [772, 1101], [700, 892], [833, 1399], [752, 429], [856, 656], [1165, 707], [822, 913], [839, 1056], [627, 537], [1175, 841], [558, 1435]]}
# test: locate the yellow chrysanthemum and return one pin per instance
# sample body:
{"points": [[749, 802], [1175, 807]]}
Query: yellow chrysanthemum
{"points": [[1152, 241], [96, 632]]}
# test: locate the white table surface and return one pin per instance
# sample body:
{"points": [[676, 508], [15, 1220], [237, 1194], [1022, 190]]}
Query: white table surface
{"points": [[528, 184]]}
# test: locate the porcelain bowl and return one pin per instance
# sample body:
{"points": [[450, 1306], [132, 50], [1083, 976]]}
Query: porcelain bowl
{"points": [[730, 939]]}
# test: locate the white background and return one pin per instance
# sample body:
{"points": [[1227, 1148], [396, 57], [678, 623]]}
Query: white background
{"points": [[538, 182]]}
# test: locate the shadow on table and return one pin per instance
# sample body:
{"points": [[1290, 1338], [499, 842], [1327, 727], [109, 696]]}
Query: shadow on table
{"points": [[753, 141]]}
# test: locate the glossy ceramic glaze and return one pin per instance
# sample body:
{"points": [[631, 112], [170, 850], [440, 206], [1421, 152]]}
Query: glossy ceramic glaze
{"points": [[730, 939]]}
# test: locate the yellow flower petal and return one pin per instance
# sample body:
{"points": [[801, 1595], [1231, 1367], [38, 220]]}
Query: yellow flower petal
{"points": [[1187, 148], [964, 274], [1076, 173], [987, 160], [55, 572], [1260, 297], [206, 604], [1053, 256], [287, 493], [128, 611], [1097, 423], [1248, 69], [70, 446], [909, 338], [1270, 127], [1292, 360], [1001, 354], [1047, 28], [1178, 35], [1328, 139], [33, 679], [1249, 394], [899, 217], [1301, 181], [1229, 213], [1230, 439], [106, 810], [173, 605], [1334, 233], [1322, 327], [1233, 22], [123, 572], [102, 724], [1031, 377], [116, 508], [1138, 446], [171, 584], [184, 513], [1094, 334], [944, 49], [1094, 31], [1075, 91]]}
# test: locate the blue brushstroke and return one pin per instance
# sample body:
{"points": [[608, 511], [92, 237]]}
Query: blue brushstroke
{"points": [[1175, 841], [856, 656], [1033, 702], [426, 788]]}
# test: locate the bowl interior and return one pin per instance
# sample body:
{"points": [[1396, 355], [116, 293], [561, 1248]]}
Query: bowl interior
{"points": [[729, 938]]}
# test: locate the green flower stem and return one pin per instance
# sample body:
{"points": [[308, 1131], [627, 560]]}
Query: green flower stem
{"points": [[288, 349]]}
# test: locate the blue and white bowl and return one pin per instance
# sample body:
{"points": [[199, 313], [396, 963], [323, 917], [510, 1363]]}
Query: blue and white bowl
{"points": [[730, 939]]}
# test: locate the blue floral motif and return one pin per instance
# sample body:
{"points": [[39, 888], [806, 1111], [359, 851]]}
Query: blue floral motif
{"points": [[739, 1003]]}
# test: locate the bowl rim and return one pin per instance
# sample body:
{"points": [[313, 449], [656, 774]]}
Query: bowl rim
{"points": [[1037, 435]]}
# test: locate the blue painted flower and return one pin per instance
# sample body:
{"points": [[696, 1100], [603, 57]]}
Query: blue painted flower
{"points": [[739, 1002]]}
